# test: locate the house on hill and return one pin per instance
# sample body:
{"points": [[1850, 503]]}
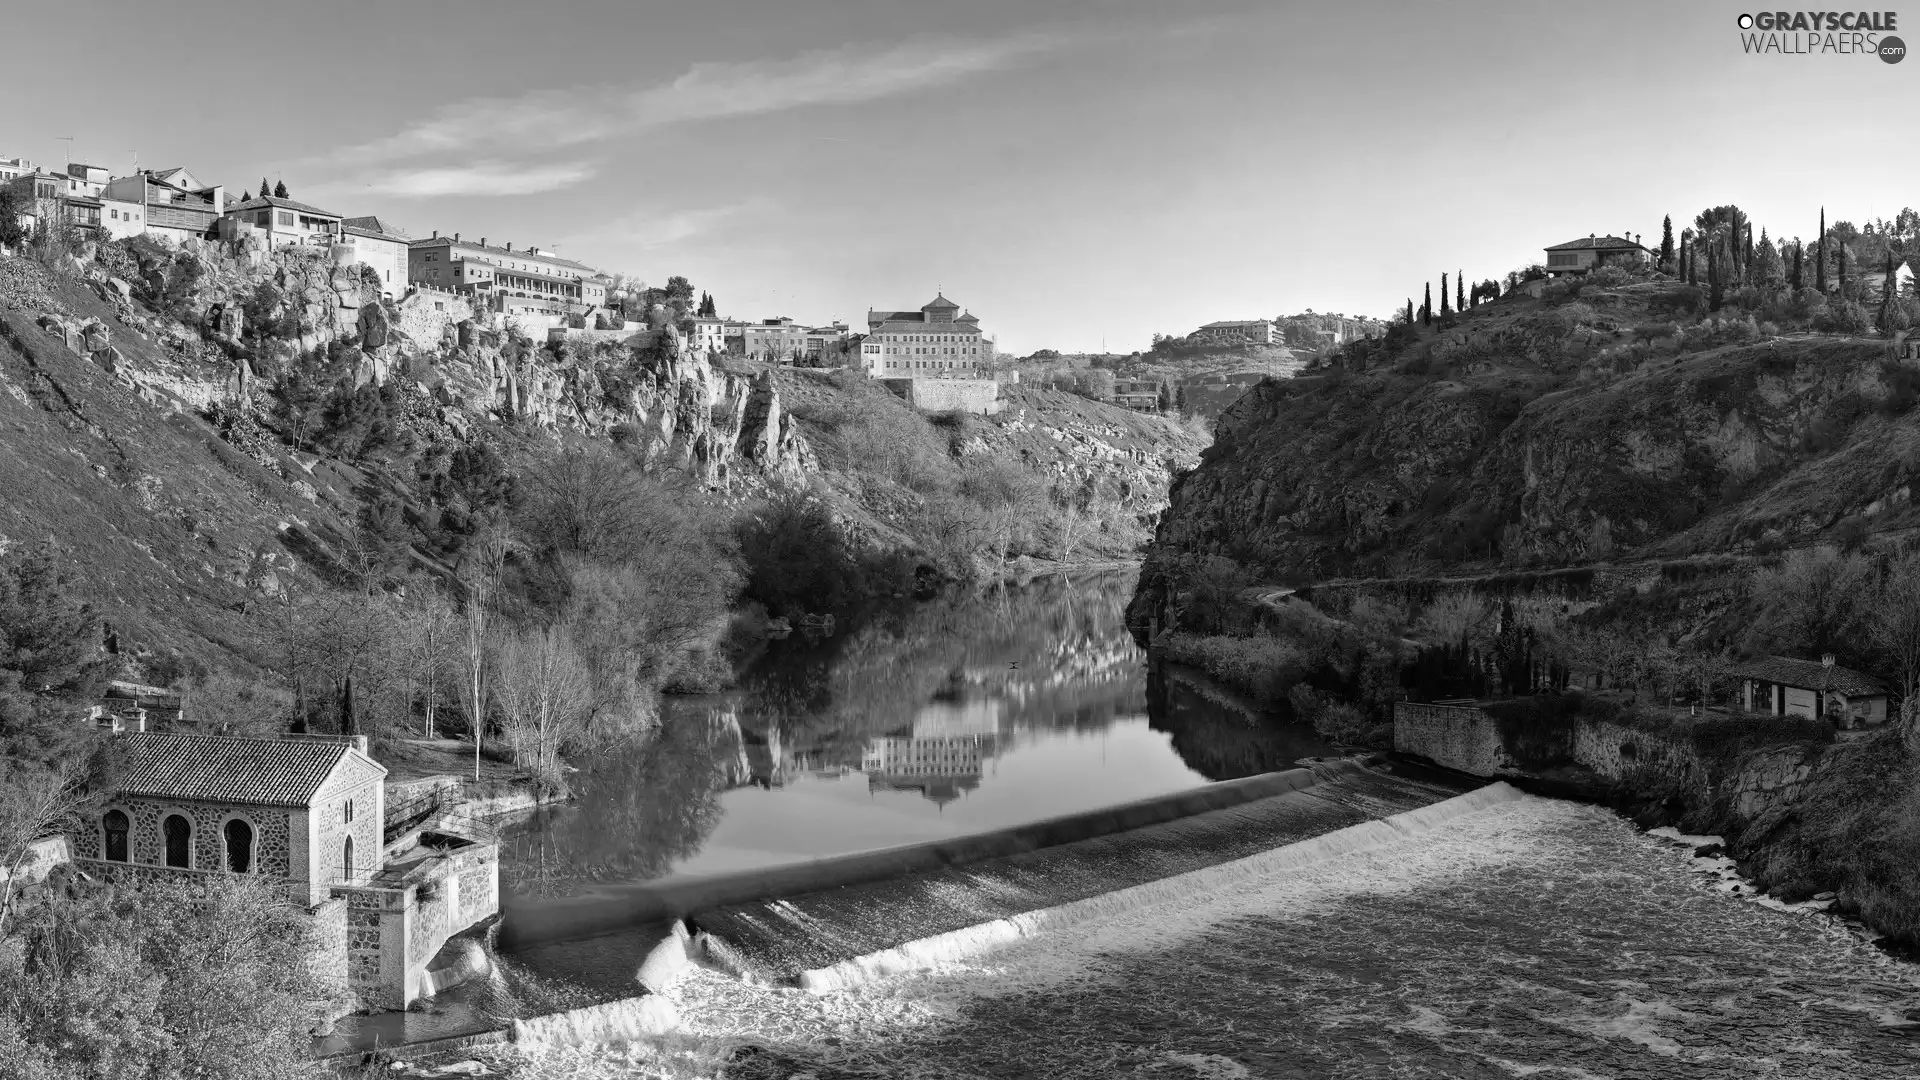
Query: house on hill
{"points": [[1580, 256], [1779, 686], [285, 221], [307, 812]]}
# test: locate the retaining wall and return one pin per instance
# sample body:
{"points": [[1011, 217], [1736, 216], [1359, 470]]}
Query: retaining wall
{"points": [[1467, 739], [980, 396]]}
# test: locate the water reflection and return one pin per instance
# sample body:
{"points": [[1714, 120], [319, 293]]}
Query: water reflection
{"points": [[963, 714]]}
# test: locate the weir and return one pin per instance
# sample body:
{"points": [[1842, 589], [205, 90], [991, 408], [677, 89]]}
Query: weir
{"points": [[531, 921], [830, 937]]}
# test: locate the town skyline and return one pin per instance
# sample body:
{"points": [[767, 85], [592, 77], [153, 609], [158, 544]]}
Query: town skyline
{"points": [[1096, 173]]}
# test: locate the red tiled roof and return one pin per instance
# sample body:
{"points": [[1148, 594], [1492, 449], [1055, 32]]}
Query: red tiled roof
{"points": [[1600, 243], [1809, 675], [262, 202], [228, 769]]}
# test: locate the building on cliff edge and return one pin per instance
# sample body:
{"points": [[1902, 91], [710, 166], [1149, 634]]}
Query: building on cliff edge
{"points": [[938, 339]]}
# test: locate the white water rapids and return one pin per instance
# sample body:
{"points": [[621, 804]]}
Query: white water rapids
{"points": [[1529, 938]]}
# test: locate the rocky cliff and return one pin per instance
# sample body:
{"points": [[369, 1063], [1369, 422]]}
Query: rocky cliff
{"points": [[1515, 440]]}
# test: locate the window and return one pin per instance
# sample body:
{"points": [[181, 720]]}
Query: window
{"points": [[346, 859], [113, 827], [239, 837], [286, 217], [177, 834], [113, 215], [349, 812]]}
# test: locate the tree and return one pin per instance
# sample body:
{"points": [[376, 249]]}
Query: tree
{"points": [[1426, 307], [1666, 240], [264, 189], [51, 664], [1820, 256], [429, 635], [1841, 251], [36, 801], [1813, 602], [1893, 624], [1716, 294], [1768, 269], [1166, 395], [1446, 301], [280, 190], [707, 308], [11, 234], [479, 575], [208, 977], [546, 696], [1459, 291], [1884, 321], [1409, 311], [1799, 260]]}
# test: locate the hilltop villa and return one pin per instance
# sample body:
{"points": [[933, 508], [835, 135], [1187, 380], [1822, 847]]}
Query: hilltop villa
{"points": [[938, 339], [1580, 256]]}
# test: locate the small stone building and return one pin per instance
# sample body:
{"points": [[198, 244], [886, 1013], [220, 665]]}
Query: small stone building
{"points": [[1779, 686], [307, 811]]}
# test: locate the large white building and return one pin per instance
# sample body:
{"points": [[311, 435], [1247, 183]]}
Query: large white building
{"points": [[938, 339]]}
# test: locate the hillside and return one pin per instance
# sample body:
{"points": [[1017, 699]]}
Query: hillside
{"points": [[211, 430], [1544, 432]]}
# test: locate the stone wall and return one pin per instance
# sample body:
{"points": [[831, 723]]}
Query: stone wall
{"points": [[42, 857], [427, 316], [329, 958], [1467, 739], [407, 799], [1463, 738], [271, 834], [331, 828], [364, 947], [979, 396]]}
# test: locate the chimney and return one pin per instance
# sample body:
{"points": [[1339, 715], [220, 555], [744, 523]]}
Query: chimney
{"points": [[1826, 660], [360, 743], [509, 245], [436, 234], [456, 236], [483, 241]]}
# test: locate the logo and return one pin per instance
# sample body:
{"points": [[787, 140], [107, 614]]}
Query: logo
{"points": [[1806, 33]]}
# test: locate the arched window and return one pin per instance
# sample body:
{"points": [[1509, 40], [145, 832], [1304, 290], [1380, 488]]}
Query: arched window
{"points": [[177, 832], [113, 826], [239, 837], [346, 859]]}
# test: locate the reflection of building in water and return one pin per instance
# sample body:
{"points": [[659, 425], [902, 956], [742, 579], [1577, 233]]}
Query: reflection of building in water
{"points": [[941, 768]]}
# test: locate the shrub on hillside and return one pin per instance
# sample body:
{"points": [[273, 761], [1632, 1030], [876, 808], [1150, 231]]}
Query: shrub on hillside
{"points": [[1261, 667], [1845, 317], [800, 561]]}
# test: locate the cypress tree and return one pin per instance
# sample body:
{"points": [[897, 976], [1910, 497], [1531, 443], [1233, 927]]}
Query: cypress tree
{"points": [[264, 189], [1842, 251], [1426, 307], [1799, 258], [1666, 240], [1459, 290], [1446, 302], [280, 190], [1409, 311], [1886, 297], [1714, 296], [1820, 255]]}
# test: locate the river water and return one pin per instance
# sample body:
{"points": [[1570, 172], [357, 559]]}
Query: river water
{"points": [[1533, 939], [965, 714]]}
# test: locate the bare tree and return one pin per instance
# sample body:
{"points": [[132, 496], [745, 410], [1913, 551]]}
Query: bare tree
{"points": [[35, 802], [429, 634], [1894, 624], [480, 577], [545, 694], [1456, 618], [1814, 599]]}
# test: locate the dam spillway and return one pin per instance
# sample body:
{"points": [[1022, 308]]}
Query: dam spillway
{"points": [[832, 938]]}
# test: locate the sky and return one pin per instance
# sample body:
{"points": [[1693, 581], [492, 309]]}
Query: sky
{"points": [[1080, 175]]}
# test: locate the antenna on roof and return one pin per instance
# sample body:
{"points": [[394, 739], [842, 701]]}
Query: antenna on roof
{"points": [[68, 139]]}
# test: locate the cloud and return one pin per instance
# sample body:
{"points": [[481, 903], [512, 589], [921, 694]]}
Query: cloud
{"points": [[652, 230], [553, 119], [481, 178]]}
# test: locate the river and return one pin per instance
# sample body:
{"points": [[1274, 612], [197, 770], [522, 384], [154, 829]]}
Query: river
{"points": [[1531, 939], [973, 712]]}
